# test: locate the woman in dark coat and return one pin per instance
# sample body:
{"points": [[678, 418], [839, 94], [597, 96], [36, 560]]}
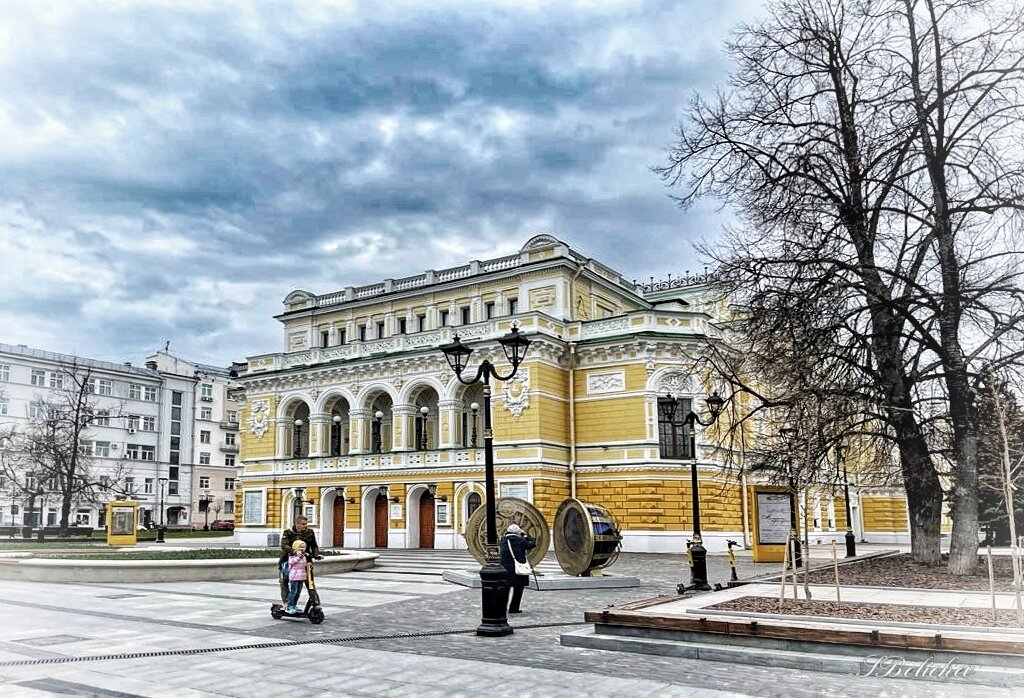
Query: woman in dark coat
{"points": [[515, 542]]}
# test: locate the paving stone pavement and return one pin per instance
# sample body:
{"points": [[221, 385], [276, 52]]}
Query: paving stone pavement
{"points": [[395, 604]]}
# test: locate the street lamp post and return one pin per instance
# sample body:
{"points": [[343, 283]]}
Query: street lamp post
{"points": [[851, 539], [494, 587], [698, 553], [424, 411], [206, 509], [790, 434], [377, 445], [474, 407], [336, 435], [299, 492], [297, 447], [160, 528]]}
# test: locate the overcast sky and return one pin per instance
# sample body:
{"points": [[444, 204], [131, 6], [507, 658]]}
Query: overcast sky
{"points": [[171, 170]]}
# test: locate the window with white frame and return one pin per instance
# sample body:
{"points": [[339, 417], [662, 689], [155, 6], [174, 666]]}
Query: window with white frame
{"points": [[229, 461], [135, 391], [229, 506], [101, 449], [233, 416], [85, 447], [204, 483], [102, 418], [147, 486], [254, 507], [5, 407], [82, 517], [129, 485], [204, 436], [229, 483], [309, 511], [38, 377], [139, 452], [56, 380], [101, 386], [205, 413], [36, 410], [206, 390], [204, 459], [5, 372], [149, 393], [149, 424], [229, 439], [132, 422]]}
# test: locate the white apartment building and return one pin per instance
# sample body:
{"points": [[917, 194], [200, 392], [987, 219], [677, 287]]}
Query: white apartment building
{"points": [[216, 402], [142, 431]]}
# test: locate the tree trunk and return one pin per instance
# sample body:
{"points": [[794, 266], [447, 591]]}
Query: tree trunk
{"points": [[924, 493]]}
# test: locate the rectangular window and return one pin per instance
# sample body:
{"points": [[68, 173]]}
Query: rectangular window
{"points": [[380, 330], [229, 506], [102, 419], [149, 424], [489, 310], [229, 460], [5, 408], [172, 473], [36, 411], [204, 436], [82, 517], [147, 486], [207, 391], [174, 457], [172, 487], [229, 483], [101, 449], [176, 397], [129, 485], [444, 318], [674, 434], [233, 416], [204, 483], [38, 377], [56, 380], [131, 452], [204, 459], [135, 391], [341, 337], [513, 306], [205, 413], [149, 394], [421, 323], [105, 387], [229, 439], [253, 508], [465, 315], [325, 338], [5, 372], [133, 423], [401, 325], [362, 333], [176, 428]]}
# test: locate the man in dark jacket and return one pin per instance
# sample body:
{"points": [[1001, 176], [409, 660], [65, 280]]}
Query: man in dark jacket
{"points": [[513, 547], [300, 531]]}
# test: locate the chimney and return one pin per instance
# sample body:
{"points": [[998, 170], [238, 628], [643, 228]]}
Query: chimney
{"points": [[151, 365]]}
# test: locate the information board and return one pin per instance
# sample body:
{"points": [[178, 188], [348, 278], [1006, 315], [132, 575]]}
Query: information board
{"points": [[774, 519]]}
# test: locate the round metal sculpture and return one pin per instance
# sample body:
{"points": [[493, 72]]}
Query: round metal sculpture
{"points": [[586, 537], [509, 510]]}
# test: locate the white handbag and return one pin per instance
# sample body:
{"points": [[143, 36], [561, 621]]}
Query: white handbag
{"points": [[522, 568]]}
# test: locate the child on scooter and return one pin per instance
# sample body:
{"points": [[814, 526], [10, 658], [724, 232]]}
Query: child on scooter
{"points": [[296, 575]]}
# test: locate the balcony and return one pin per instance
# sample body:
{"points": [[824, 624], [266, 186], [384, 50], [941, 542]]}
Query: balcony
{"points": [[229, 426], [225, 447]]}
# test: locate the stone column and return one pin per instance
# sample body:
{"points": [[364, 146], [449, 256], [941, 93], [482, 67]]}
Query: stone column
{"points": [[281, 426], [317, 424], [449, 412], [403, 427], [359, 430]]}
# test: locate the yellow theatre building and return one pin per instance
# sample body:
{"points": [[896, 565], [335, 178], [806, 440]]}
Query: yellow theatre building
{"points": [[362, 416]]}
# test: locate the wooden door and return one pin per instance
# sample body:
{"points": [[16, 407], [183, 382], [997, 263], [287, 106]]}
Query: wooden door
{"points": [[426, 521], [380, 522], [339, 522]]}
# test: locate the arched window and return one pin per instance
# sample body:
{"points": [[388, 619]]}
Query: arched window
{"points": [[473, 502]]}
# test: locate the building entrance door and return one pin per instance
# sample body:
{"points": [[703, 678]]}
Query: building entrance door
{"points": [[339, 522], [426, 520], [380, 522]]}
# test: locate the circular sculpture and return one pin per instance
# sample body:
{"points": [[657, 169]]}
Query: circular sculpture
{"points": [[509, 510], [586, 537]]}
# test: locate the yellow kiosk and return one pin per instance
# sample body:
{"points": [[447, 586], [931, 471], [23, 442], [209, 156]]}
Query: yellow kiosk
{"points": [[773, 521], [122, 519]]}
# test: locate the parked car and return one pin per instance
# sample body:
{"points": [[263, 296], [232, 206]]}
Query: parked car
{"points": [[222, 525]]}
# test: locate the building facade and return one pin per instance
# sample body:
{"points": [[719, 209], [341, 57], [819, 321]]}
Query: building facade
{"points": [[361, 417], [128, 442], [216, 402]]}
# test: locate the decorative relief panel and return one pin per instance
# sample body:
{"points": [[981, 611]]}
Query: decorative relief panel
{"points": [[297, 341], [677, 384], [593, 329], [541, 298], [516, 394], [610, 382], [259, 418]]}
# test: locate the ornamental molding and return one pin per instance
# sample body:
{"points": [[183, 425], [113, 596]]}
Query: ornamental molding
{"points": [[259, 418], [607, 382], [515, 394]]}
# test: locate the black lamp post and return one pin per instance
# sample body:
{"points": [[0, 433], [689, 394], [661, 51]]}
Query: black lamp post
{"points": [[424, 411], [494, 587], [790, 434], [299, 492], [162, 483], [473, 407], [698, 553], [377, 445], [207, 498], [336, 435], [297, 449], [851, 539]]}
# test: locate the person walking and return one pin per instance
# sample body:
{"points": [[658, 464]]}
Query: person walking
{"points": [[513, 549], [300, 531]]}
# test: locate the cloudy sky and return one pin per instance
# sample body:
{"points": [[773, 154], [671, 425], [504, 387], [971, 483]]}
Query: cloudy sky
{"points": [[171, 170]]}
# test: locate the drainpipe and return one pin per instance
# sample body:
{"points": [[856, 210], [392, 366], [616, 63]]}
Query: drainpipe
{"points": [[572, 419], [743, 484]]}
